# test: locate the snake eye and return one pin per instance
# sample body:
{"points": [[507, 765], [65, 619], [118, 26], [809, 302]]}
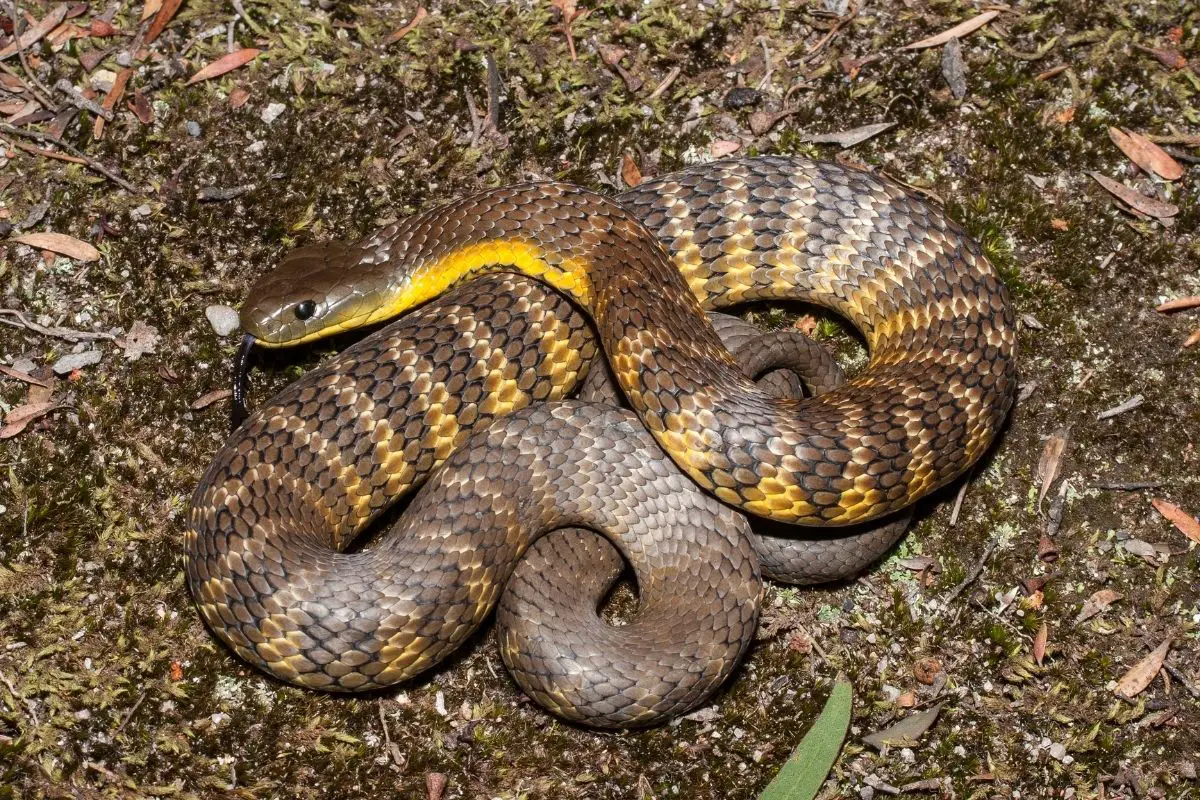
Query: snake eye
{"points": [[306, 309]]}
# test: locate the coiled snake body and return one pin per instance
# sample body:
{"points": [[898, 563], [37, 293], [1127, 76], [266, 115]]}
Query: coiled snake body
{"points": [[326, 456]]}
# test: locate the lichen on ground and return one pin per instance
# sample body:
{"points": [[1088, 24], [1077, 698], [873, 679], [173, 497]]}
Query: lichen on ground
{"points": [[111, 686]]}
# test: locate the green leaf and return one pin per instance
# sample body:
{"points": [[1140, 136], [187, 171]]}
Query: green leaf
{"points": [[808, 766]]}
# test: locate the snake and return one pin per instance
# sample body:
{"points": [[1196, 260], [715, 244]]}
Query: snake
{"points": [[452, 394]]}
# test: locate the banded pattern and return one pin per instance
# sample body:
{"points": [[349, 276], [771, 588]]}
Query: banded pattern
{"points": [[316, 465]]}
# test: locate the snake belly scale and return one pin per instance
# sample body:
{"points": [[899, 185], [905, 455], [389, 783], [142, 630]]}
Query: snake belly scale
{"points": [[320, 461]]}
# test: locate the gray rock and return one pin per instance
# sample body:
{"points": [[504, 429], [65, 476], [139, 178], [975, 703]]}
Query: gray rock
{"points": [[223, 319], [74, 361]]}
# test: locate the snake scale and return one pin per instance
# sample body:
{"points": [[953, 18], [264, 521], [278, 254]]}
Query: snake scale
{"points": [[454, 382]]}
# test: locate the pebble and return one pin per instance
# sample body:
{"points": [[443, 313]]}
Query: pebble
{"points": [[124, 58], [223, 319], [742, 97], [193, 128], [272, 112], [141, 212], [73, 361]]}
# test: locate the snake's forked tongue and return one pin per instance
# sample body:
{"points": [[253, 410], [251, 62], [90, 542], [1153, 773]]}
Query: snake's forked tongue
{"points": [[241, 370]]}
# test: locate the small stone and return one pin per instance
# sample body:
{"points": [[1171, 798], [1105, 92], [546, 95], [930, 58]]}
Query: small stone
{"points": [[742, 97], [223, 319], [272, 112], [1058, 751], [73, 361], [193, 128], [141, 212], [124, 59]]}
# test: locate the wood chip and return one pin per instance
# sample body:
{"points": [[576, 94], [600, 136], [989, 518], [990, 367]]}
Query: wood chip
{"points": [[1097, 604], [150, 9], [1135, 681], [1146, 154], [957, 32], [1179, 304], [225, 63], [206, 400], [400, 33], [1136, 200], [723, 147], [851, 137], [34, 34], [1050, 463], [1194, 338], [1182, 520], [60, 243]]}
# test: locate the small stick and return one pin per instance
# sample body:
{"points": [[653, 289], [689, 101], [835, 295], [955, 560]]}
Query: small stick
{"points": [[33, 90], [492, 122], [129, 714], [1127, 486], [958, 501], [38, 151], [666, 83], [45, 98], [81, 102], [89, 162], [975, 572], [69, 334], [1183, 681]]}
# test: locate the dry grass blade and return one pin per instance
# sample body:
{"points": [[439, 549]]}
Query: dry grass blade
{"points": [[1146, 154], [1135, 681], [957, 32], [60, 243], [225, 63], [1182, 520], [1135, 200]]}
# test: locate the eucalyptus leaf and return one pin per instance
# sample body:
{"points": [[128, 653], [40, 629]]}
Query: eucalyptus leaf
{"points": [[806, 769]]}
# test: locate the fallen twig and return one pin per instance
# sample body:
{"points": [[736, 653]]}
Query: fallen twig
{"points": [[666, 83], [81, 102], [86, 160], [974, 574], [69, 334]]}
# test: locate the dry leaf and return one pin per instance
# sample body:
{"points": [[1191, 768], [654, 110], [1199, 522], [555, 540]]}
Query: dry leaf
{"points": [[16, 420], [1060, 224], [1066, 116], [150, 9], [34, 34], [407, 28], [957, 32], [1051, 461], [851, 137], [723, 147], [926, 670], [906, 732], [1179, 304], [1169, 57], [1136, 200], [60, 243], [1182, 520], [629, 171], [1135, 681], [1146, 154], [140, 340], [1192, 339], [1097, 603], [1039, 644], [141, 107], [164, 15], [206, 400], [111, 99], [25, 377], [99, 29], [225, 63]]}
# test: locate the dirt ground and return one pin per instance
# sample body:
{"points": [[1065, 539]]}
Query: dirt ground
{"points": [[110, 686]]}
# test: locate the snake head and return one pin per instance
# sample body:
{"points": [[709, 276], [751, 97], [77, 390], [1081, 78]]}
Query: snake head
{"points": [[316, 291]]}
